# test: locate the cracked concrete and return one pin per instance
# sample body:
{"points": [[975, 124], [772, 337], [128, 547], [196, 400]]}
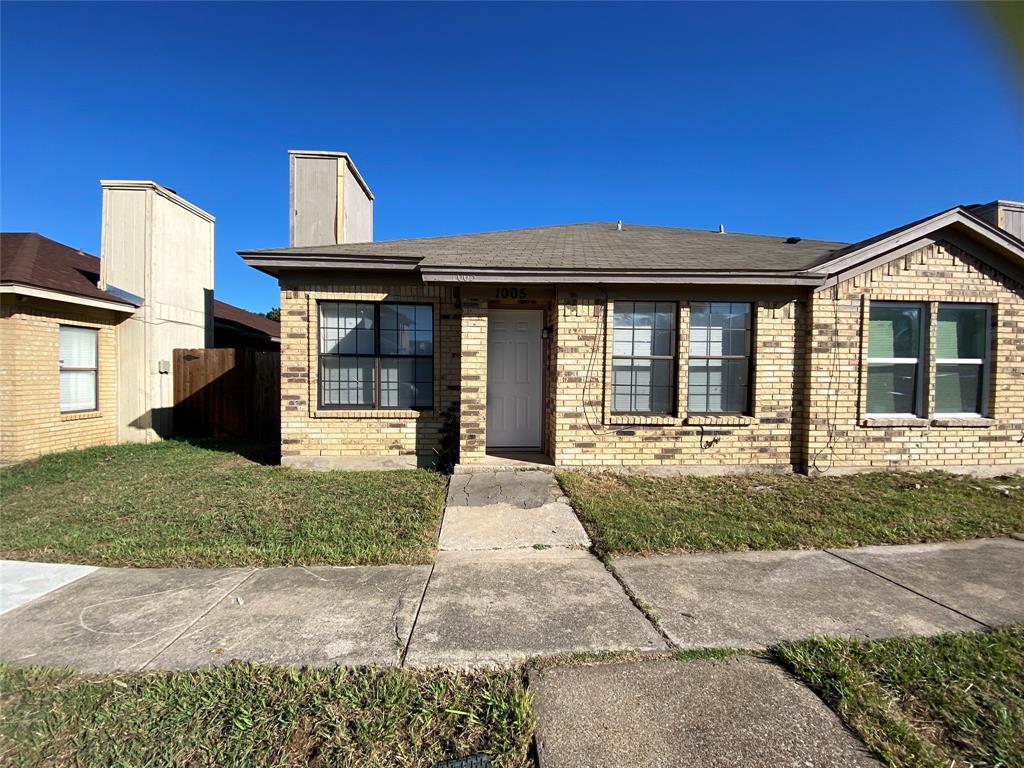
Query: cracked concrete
{"points": [[501, 607], [755, 599], [508, 510]]}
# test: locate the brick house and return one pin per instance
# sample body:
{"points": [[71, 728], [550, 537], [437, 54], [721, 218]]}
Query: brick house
{"points": [[86, 343], [605, 345]]}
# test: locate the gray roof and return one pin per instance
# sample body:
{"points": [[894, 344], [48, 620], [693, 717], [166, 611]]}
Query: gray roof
{"points": [[599, 246]]}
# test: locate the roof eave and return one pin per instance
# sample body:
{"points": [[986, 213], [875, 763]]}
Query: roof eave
{"points": [[50, 294], [838, 269]]}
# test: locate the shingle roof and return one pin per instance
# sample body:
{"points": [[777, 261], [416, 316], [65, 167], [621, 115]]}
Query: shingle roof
{"points": [[29, 259], [249, 320], [590, 246]]}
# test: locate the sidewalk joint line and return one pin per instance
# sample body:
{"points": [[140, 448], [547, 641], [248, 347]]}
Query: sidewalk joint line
{"points": [[908, 589], [416, 618], [197, 619]]}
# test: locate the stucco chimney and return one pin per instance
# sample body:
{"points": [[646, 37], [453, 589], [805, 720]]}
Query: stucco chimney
{"points": [[330, 203]]}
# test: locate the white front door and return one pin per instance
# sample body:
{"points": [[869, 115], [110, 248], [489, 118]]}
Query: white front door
{"points": [[514, 374]]}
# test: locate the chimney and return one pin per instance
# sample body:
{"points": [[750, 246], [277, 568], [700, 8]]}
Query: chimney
{"points": [[330, 204], [156, 249], [1005, 214]]}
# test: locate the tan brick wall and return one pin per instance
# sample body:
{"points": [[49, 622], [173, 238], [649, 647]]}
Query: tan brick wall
{"points": [[314, 437], [841, 437], [31, 423], [587, 434], [807, 395]]}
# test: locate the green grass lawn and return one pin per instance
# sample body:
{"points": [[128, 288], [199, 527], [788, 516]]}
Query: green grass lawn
{"points": [[635, 514], [954, 701], [177, 504], [251, 715]]}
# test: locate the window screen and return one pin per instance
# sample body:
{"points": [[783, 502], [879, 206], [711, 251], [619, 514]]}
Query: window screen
{"points": [[376, 355], [643, 357], [718, 379], [78, 368]]}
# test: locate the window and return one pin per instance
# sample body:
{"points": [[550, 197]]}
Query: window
{"points": [[895, 352], [78, 368], [719, 373], [961, 359], [376, 355], [643, 357]]}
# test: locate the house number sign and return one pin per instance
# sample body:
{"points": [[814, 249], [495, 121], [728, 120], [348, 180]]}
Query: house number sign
{"points": [[509, 292]]}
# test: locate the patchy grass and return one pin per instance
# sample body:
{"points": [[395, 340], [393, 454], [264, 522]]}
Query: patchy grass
{"points": [[637, 514], [178, 504], [251, 715], [952, 701]]}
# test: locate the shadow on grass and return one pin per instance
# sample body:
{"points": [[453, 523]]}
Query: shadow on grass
{"points": [[259, 452]]}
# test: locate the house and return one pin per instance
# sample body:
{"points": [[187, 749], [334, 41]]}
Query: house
{"points": [[239, 328], [617, 345], [86, 343]]}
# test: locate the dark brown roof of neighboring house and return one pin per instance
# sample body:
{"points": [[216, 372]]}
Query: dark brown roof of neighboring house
{"points": [[29, 259], [590, 247], [249, 320]]}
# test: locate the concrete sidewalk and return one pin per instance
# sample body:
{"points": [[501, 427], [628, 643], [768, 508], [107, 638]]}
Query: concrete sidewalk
{"points": [[752, 600], [499, 606]]}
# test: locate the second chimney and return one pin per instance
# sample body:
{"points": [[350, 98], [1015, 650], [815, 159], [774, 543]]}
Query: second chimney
{"points": [[330, 202]]}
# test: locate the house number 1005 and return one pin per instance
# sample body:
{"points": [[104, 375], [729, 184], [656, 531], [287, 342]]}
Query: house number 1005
{"points": [[507, 292]]}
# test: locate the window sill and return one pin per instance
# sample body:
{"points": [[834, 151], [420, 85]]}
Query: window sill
{"points": [[725, 420], [963, 421], [638, 419], [80, 415], [888, 423], [371, 413]]}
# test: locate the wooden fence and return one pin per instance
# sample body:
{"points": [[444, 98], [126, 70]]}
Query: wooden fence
{"points": [[227, 393]]}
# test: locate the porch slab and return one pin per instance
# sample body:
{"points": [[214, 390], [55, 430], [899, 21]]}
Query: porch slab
{"points": [[113, 619], [501, 607], [22, 582], [755, 599], [312, 616], [743, 713], [983, 579]]}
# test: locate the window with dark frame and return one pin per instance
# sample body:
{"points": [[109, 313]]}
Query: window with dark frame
{"points": [[962, 352], [79, 368], [376, 355], [896, 356], [644, 357], [718, 377]]}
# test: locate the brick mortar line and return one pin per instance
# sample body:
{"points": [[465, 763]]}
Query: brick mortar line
{"points": [[198, 618], [908, 589]]}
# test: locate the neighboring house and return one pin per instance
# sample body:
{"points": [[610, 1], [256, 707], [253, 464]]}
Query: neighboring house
{"points": [[609, 346], [86, 343], [235, 327]]}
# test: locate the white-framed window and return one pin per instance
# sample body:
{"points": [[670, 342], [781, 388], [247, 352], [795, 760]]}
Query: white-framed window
{"points": [[718, 379], [962, 353], [644, 357], [896, 353], [79, 369]]}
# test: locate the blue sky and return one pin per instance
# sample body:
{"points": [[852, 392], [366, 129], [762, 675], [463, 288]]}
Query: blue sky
{"points": [[821, 120]]}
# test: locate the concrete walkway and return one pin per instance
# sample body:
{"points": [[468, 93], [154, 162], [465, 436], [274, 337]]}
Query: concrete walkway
{"points": [[514, 580], [739, 713], [751, 600]]}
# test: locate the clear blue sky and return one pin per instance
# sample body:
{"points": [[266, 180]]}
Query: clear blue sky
{"points": [[821, 120]]}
